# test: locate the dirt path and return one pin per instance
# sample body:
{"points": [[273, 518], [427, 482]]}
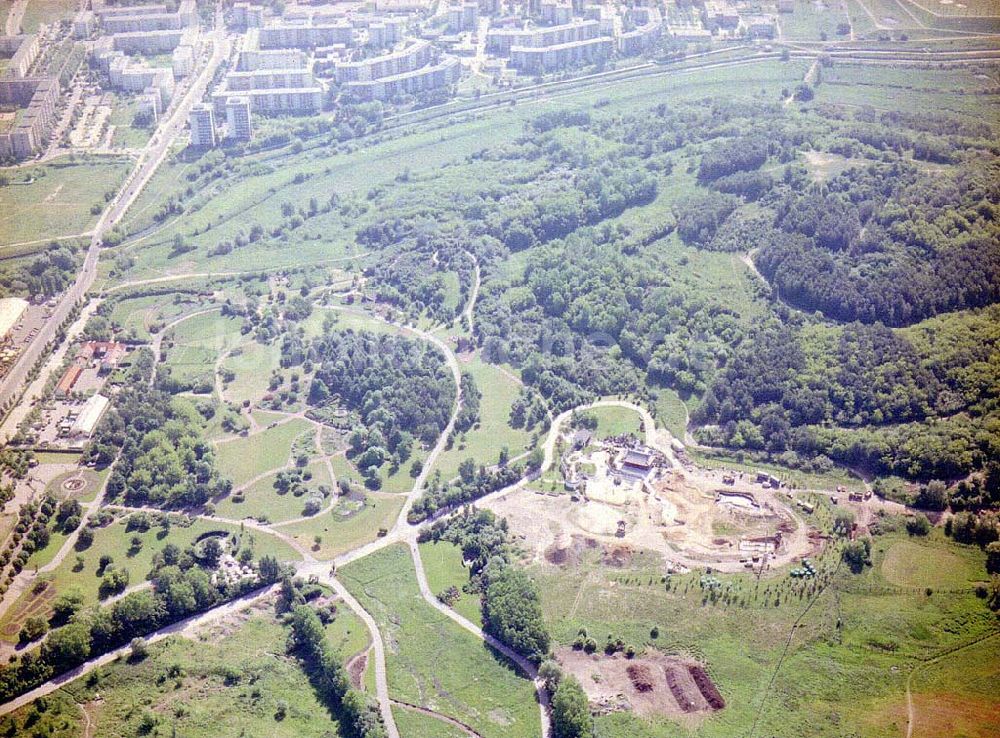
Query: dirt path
{"points": [[443, 718], [473, 295]]}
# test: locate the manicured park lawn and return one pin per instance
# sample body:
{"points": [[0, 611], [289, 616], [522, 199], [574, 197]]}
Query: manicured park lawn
{"points": [[262, 500], [243, 459], [349, 525]]}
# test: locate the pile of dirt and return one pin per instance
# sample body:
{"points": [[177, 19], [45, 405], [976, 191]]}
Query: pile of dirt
{"points": [[556, 555], [641, 677], [617, 556], [707, 687], [570, 555], [648, 685]]}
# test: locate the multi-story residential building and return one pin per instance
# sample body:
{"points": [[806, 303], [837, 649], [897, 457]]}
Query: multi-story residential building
{"points": [[148, 42], [304, 35], [238, 120], [132, 76], [500, 40], [464, 17], [35, 99], [140, 20], [538, 59], [202, 123], [647, 31], [414, 56], [430, 77], [272, 90], [556, 13], [22, 52], [246, 16], [252, 61]]}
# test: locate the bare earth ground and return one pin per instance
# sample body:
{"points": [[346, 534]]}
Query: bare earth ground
{"points": [[640, 684]]}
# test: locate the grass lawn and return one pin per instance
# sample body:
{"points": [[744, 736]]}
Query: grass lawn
{"points": [[243, 459], [46, 11], [138, 314], [431, 661], [55, 199], [932, 562], [444, 568], [613, 421], [812, 21], [252, 365], [671, 412], [493, 432], [959, 694], [262, 500], [126, 134], [348, 525], [414, 724]]}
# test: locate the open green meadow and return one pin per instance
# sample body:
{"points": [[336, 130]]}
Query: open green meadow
{"points": [[263, 501], [616, 421], [847, 642], [68, 190], [484, 441], [244, 459], [414, 724], [234, 677], [431, 661]]}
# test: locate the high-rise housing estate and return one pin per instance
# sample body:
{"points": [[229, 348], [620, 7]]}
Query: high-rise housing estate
{"points": [[238, 118], [202, 122]]}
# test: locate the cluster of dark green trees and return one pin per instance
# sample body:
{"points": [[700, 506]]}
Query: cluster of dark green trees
{"points": [[177, 592], [920, 403], [163, 460], [399, 388], [889, 243], [512, 610], [357, 715], [44, 274]]}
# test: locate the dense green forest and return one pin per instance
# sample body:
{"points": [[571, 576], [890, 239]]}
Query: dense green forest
{"points": [[399, 389]]}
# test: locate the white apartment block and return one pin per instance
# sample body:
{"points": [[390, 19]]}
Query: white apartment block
{"points": [[414, 56], [238, 120], [202, 123], [560, 56], [500, 40], [429, 77]]}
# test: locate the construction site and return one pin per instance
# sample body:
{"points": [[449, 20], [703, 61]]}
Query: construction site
{"points": [[624, 495]]}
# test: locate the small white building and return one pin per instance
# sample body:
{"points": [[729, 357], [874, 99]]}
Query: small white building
{"points": [[90, 415], [11, 311]]}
